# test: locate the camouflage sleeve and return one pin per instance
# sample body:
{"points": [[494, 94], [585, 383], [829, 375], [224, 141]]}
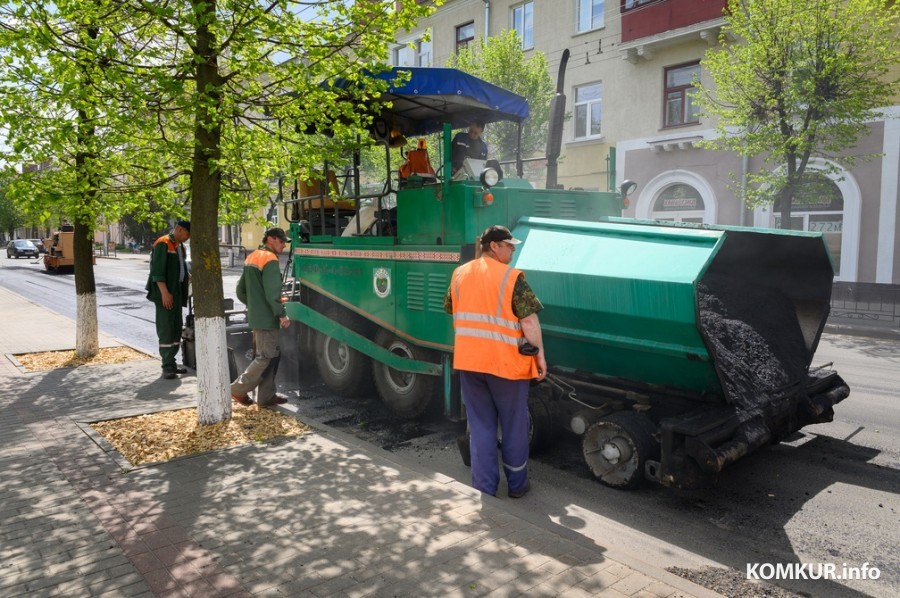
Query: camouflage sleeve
{"points": [[524, 302], [448, 302]]}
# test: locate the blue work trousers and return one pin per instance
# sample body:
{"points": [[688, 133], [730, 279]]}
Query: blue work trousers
{"points": [[490, 399]]}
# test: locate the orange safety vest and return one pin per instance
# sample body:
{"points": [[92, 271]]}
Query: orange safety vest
{"points": [[488, 333]]}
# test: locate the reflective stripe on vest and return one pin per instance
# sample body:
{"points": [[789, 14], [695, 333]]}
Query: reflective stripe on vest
{"points": [[487, 332]]}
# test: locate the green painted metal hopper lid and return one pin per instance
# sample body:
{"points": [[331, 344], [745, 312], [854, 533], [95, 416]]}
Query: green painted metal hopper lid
{"points": [[615, 249]]}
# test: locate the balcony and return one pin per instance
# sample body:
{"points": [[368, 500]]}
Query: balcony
{"points": [[650, 28]]}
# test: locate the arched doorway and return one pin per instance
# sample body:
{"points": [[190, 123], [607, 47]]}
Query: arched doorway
{"points": [[677, 196], [827, 203], [678, 203]]}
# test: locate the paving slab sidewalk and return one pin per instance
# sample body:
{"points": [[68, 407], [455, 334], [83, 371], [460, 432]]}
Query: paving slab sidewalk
{"points": [[319, 515]]}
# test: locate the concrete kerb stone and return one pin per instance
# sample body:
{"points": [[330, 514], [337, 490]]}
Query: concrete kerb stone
{"points": [[882, 333]]}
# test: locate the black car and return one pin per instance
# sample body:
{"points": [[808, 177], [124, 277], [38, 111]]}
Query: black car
{"points": [[21, 247], [39, 244]]}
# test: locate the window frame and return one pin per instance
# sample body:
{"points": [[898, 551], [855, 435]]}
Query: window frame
{"points": [[514, 23], [415, 51], [683, 91], [634, 4], [464, 43], [587, 134], [580, 6]]}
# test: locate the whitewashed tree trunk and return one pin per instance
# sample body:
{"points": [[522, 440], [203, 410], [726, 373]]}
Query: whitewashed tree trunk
{"points": [[213, 383], [87, 339]]}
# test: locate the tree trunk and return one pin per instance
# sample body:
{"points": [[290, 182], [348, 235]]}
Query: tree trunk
{"points": [[785, 199], [784, 203], [209, 314], [87, 341]]}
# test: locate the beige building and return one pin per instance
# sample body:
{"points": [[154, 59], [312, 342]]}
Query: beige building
{"points": [[627, 85], [550, 27]]}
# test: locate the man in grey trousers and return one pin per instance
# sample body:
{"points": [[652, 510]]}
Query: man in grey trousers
{"points": [[259, 288]]}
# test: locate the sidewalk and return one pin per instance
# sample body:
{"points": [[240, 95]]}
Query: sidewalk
{"points": [[319, 515]]}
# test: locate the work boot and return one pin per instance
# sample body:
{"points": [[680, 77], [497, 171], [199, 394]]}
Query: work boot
{"points": [[521, 492], [180, 370], [245, 401], [169, 374], [278, 399]]}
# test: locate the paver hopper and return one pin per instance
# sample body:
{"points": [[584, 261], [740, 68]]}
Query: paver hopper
{"points": [[706, 332]]}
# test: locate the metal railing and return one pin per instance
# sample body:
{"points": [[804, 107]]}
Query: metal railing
{"points": [[866, 303]]}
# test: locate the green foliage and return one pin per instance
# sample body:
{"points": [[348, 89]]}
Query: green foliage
{"points": [[68, 102], [10, 215], [796, 81], [116, 82], [500, 60]]}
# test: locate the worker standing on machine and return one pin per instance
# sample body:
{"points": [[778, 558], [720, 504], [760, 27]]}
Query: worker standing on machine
{"points": [[468, 144], [498, 350], [167, 288], [259, 288]]}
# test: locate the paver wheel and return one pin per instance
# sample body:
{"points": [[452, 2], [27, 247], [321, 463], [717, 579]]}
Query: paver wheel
{"points": [[543, 429], [344, 370], [405, 393], [617, 446]]}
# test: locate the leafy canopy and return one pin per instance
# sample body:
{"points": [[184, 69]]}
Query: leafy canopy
{"points": [[500, 60], [792, 81]]}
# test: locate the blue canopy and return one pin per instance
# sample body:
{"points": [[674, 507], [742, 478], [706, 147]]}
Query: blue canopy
{"points": [[432, 96]]}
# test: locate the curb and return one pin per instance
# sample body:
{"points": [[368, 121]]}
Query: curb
{"points": [[863, 331]]}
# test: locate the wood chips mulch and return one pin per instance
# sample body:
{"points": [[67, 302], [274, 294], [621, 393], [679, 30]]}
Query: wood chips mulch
{"points": [[157, 437], [166, 435], [50, 360]]}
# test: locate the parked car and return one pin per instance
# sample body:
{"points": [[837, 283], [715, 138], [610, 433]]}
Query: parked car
{"points": [[39, 244], [21, 247]]}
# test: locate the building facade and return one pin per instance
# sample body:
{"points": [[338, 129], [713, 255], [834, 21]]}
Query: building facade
{"points": [[628, 83]]}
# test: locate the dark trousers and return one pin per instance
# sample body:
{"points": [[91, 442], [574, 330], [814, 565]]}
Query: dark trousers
{"points": [[168, 329], [260, 373], [490, 399]]}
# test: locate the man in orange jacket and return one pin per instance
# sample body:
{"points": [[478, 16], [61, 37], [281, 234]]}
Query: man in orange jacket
{"points": [[498, 349]]}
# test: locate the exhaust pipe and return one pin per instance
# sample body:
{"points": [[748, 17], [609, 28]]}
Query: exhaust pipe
{"points": [[555, 129]]}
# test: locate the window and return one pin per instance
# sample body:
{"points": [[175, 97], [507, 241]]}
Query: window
{"points": [[680, 107], [464, 35], [679, 203], [587, 110], [629, 4], [414, 53], [590, 14], [523, 23], [818, 206]]}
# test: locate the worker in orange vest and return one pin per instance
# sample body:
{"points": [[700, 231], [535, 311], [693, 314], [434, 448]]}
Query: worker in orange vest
{"points": [[498, 350]]}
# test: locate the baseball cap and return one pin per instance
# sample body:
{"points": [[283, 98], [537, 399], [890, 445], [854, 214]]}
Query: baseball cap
{"points": [[497, 234], [185, 224], [278, 234]]}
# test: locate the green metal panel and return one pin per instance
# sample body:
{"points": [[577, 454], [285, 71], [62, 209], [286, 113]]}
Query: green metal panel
{"points": [[302, 313], [622, 299], [619, 300], [431, 215], [437, 228], [399, 288]]}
